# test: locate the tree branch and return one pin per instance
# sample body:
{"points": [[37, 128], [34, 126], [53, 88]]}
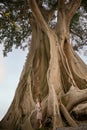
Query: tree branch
{"points": [[61, 4], [47, 14], [72, 7], [38, 16], [39, 2]]}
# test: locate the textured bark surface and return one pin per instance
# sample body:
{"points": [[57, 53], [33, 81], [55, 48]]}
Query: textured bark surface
{"points": [[53, 72]]}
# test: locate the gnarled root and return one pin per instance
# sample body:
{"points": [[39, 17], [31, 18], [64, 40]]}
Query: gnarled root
{"points": [[73, 97], [80, 111], [67, 116], [74, 103]]}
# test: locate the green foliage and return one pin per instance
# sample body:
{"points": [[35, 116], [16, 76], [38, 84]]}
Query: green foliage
{"points": [[78, 29], [14, 24], [15, 27]]}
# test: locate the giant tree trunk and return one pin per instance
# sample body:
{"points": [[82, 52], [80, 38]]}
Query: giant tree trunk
{"points": [[53, 71]]}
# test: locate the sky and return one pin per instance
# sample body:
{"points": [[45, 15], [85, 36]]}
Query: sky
{"points": [[10, 70]]}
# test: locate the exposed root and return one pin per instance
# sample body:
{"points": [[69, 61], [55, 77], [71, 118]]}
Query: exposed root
{"points": [[53, 108], [80, 111], [27, 125], [73, 97], [67, 116]]}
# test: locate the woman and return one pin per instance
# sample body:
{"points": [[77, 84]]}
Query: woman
{"points": [[39, 112]]}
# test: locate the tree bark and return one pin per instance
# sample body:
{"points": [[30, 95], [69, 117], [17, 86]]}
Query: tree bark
{"points": [[53, 72]]}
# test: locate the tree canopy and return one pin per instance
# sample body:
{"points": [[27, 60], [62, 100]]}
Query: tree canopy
{"points": [[15, 23]]}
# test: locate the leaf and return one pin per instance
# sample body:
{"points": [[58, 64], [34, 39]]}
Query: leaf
{"points": [[7, 14]]}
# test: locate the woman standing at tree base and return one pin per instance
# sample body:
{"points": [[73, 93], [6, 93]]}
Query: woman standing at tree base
{"points": [[39, 112]]}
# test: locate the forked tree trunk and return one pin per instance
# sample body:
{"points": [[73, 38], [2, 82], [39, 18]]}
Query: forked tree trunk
{"points": [[53, 71]]}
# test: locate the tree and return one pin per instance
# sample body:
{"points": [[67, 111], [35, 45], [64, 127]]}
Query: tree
{"points": [[53, 71]]}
